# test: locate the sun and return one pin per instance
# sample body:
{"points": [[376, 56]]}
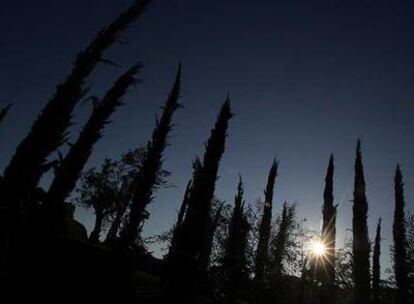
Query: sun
{"points": [[317, 248]]}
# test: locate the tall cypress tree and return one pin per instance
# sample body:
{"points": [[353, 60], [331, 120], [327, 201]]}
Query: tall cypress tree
{"points": [[70, 168], [149, 175], [234, 262], [4, 111], [279, 253], [278, 246], [329, 234], [376, 267], [262, 257], [49, 131], [360, 245], [400, 240], [183, 264]]}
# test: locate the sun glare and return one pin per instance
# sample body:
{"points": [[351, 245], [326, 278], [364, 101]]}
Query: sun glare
{"points": [[318, 248]]}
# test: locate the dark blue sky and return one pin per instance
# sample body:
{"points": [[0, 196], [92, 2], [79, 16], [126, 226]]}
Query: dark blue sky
{"points": [[306, 78]]}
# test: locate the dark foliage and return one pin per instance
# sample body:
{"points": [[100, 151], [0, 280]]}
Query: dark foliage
{"points": [[151, 169], [49, 131], [184, 265], [70, 168], [4, 111], [360, 246], [280, 242], [376, 267], [329, 235], [410, 255], [181, 214], [127, 168], [98, 190], [217, 254], [400, 239], [262, 257], [184, 204], [234, 262], [215, 216]]}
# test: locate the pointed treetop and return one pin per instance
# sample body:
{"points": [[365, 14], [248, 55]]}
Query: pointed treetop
{"points": [[238, 199], [285, 209], [358, 164], [398, 173], [358, 148], [328, 192], [240, 185], [379, 225], [228, 96], [272, 177], [174, 94], [331, 159], [4, 111], [178, 75], [329, 172], [226, 108]]}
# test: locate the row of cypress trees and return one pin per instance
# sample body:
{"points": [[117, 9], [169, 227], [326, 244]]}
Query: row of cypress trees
{"points": [[361, 248], [187, 260], [50, 130]]}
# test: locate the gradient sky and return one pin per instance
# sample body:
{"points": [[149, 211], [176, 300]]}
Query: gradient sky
{"points": [[306, 79]]}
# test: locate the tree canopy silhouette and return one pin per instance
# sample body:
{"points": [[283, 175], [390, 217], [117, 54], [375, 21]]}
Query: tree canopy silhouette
{"points": [[360, 246], [265, 226], [400, 239], [151, 170]]}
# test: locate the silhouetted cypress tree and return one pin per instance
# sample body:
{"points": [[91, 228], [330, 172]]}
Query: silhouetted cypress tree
{"points": [[262, 257], [329, 235], [360, 245], [4, 111], [376, 267], [149, 175], [400, 240], [70, 168], [279, 253], [278, 246], [234, 262], [183, 264], [48, 132]]}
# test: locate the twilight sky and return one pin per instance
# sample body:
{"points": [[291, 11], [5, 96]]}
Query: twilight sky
{"points": [[306, 78]]}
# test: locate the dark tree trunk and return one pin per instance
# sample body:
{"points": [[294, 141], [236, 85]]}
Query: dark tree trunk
{"points": [[96, 232], [400, 240], [116, 223]]}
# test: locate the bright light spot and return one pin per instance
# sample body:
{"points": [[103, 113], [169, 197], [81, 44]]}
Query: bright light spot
{"points": [[318, 248]]}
